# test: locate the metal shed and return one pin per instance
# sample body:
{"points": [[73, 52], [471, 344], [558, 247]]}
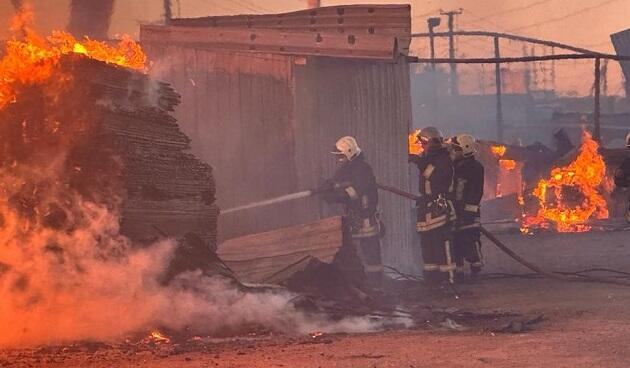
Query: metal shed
{"points": [[265, 97]]}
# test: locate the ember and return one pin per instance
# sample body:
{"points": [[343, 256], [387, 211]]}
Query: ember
{"points": [[572, 194], [158, 337]]}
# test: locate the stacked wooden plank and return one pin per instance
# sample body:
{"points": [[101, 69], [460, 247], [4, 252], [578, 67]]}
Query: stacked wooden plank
{"points": [[124, 148], [274, 256]]}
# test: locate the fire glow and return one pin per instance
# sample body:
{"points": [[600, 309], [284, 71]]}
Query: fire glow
{"points": [[415, 147], [572, 194], [33, 59]]}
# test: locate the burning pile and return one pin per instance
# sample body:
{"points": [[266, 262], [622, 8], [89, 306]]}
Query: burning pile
{"points": [[573, 193], [93, 171]]}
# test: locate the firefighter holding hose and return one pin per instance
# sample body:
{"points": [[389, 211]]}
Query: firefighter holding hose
{"points": [[354, 186], [622, 177], [468, 191], [434, 208]]}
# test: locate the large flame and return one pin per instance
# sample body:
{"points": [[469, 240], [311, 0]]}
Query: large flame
{"points": [[32, 59], [572, 194]]}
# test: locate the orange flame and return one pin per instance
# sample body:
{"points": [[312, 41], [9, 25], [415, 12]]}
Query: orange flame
{"points": [[576, 192], [158, 337], [33, 59], [508, 165], [415, 147], [498, 150]]}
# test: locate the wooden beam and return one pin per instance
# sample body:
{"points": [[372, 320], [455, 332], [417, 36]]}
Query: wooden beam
{"points": [[257, 258]]}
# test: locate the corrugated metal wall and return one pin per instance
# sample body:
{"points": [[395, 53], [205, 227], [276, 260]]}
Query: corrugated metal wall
{"points": [[266, 123], [371, 101]]}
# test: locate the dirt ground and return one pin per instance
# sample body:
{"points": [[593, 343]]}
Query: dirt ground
{"points": [[584, 325]]}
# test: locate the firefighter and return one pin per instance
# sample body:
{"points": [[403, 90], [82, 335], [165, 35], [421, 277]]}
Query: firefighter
{"points": [[354, 186], [434, 209], [468, 189], [622, 176]]}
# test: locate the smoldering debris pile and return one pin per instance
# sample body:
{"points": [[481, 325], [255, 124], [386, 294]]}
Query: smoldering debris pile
{"points": [[122, 149]]}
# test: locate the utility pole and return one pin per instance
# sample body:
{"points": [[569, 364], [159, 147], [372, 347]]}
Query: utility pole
{"points": [[596, 110], [497, 71], [451, 47], [432, 23], [168, 12], [553, 71], [312, 4]]}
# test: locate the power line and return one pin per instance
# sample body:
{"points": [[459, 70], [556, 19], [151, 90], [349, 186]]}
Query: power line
{"points": [[558, 19], [513, 10], [249, 6]]}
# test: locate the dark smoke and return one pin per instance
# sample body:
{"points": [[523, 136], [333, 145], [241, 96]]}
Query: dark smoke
{"points": [[90, 18], [17, 4]]}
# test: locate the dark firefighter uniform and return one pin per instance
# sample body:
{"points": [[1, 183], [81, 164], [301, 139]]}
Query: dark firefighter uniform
{"points": [[468, 190], [354, 185], [435, 213], [622, 179]]}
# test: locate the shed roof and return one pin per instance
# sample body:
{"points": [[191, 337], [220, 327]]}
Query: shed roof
{"points": [[355, 31]]}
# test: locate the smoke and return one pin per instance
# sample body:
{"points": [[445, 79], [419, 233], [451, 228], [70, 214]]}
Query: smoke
{"points": [[60, 284], [90, 18], [67, 274]]}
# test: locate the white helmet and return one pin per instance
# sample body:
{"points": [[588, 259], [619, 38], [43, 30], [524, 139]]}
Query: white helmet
{"points": [[628, 140], [467, 143], [348, 147]]}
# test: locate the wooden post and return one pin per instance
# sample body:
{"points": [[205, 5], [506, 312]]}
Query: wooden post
{"points": [[497, 54], [596, 112], [168, 12]]}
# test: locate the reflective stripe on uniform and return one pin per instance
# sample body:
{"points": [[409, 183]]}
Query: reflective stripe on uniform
{"points": [[447, 268], [431, 267], [428, 171], [367, 230], [459, 189], [450, 267], [471, 208], [352, 193], [431, 223], [427, 187], [373, 268]]}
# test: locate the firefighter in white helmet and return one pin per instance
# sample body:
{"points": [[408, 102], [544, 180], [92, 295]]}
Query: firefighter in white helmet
{"points": [[622, 176], [434, 209], [468, 190], [354, 186]]}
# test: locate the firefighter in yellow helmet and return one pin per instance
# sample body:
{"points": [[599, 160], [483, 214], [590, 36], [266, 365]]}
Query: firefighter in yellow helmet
{"points": [[354, 185], [622, 176], [468, 191], [434, 209]]}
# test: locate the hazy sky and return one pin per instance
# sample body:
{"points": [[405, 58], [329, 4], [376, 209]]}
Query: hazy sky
{"points": [[585, 23]]}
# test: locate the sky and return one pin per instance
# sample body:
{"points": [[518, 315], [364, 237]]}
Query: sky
{"points": [[584, 23]]}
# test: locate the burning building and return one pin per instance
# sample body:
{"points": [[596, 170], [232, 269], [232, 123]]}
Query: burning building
{"points": [[266, 96]]}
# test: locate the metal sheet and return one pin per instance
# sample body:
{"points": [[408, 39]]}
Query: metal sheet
{"points": [[266, 124], [390, 20], [621, 42], [273, 41]]}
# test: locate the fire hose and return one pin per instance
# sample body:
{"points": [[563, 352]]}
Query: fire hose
{"points": [[566, 276]]}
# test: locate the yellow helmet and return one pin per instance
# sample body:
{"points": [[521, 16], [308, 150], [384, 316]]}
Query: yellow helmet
{"points": [[348, 147], [466, 143], [431, 137]]}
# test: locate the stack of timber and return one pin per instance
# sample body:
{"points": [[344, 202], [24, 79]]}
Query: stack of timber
{"points": [[123, 147], [274, 256]]}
